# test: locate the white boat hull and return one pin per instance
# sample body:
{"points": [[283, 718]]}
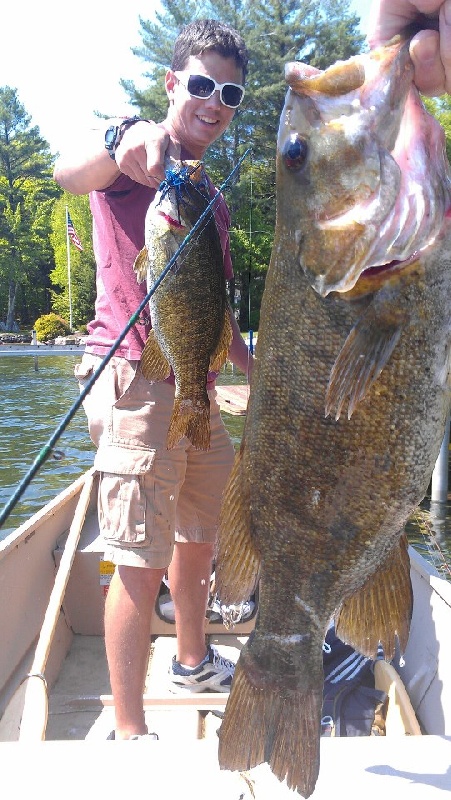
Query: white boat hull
{"points": [[81, 712]]}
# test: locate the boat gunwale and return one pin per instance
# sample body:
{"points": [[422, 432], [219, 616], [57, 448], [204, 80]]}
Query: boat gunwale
{"points": [[429, 573], [32, 525]]}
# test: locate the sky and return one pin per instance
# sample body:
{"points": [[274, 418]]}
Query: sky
{"points": [[66, 59]]}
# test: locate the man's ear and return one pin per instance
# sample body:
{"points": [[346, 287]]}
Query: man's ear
{"points": [[170, 81]]}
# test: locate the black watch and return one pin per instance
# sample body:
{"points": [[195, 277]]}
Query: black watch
{"points": [[114, 134]]}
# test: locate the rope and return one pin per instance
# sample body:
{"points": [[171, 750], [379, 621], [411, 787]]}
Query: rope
{"points": [[59, 430]]}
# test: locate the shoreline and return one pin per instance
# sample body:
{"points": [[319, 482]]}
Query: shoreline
{"points": [[41, 349]]}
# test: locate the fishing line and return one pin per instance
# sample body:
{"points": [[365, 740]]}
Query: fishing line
{"points": [[204, 217], [422, 521], [48, 446], [249, 279]]}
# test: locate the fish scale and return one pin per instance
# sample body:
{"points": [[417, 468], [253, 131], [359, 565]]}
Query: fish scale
{"points": [[348, 403], [191, 330]]}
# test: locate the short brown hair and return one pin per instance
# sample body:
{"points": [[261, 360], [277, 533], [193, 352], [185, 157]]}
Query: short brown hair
{"points": [[209, 34]]}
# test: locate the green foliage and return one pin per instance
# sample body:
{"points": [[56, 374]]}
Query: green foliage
{"points": [[440, 107], [82, 263], [276, 31], [27, 193], [49, 326]]}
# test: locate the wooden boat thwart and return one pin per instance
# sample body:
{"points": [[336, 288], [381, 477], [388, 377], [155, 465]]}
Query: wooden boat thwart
{"points": [[55, 632]]}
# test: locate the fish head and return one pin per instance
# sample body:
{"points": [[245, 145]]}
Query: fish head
{"points": [[363, 183], [184, 193]]}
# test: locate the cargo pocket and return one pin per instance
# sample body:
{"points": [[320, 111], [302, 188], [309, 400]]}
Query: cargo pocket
{"points": [[84, 369], [122, 509], [99, 399], [132, 415]]}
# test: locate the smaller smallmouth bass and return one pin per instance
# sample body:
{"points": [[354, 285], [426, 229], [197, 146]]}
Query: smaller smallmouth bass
{"points": [[191, 330]]}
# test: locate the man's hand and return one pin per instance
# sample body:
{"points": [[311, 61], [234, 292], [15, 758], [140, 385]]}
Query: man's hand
{"points": [[142, 151], [430, 49]]}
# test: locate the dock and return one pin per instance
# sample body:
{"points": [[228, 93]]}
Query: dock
{"points": [[233, 399]]}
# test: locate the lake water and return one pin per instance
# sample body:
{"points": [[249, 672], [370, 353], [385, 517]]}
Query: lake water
{"points": [[34, 398], [37, 392]]}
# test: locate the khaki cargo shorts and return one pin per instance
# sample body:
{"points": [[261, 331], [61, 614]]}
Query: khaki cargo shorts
{"points": [[150, 497]]}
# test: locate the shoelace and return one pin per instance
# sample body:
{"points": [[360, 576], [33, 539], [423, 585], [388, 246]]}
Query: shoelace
{"points": [[220, 661]]}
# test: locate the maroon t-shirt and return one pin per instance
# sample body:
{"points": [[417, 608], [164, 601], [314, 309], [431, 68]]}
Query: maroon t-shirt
{"points": [[118, 236]]}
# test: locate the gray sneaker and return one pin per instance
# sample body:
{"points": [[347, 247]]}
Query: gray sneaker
{"points": [[214, 674], [153, 736]]}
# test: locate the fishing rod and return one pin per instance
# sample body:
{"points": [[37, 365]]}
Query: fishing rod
{"points": [[49, 445]]}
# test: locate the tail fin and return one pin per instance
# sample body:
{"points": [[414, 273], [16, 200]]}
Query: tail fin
{"points": [[190, 418], [267, 722]]}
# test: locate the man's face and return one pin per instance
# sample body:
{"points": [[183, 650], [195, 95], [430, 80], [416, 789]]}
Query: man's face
{"points": [[198, 122]]}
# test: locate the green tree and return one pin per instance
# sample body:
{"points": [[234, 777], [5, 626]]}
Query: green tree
{"points": [[82, 263], [440, 107], [27, 193]]}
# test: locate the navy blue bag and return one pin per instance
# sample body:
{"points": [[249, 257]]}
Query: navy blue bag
{"points": [[352, 706]]}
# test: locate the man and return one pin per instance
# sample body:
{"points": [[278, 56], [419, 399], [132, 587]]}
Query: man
{"points": [[158, 508]]}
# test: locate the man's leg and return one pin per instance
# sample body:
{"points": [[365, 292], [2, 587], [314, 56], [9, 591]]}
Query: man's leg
{"points": [[189, 581], [128, 613], [198, 510]]}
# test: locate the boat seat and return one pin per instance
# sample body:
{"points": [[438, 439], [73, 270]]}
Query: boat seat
{"points": [[401, 718]]}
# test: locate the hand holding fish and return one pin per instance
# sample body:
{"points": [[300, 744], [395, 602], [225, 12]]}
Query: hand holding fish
{"points": [[430, 49], [142, 152]]}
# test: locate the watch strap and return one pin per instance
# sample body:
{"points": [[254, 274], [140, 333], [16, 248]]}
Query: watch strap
{"points": [[114, 134]]}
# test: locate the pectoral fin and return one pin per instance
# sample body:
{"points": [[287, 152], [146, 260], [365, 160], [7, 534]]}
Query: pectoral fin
{"points": [[382, 609], [238, 562], [360, 361], [154, 364], [219, 356], [140, 265]]}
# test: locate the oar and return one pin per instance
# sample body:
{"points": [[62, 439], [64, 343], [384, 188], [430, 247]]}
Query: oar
{"points": [[35, 712]]}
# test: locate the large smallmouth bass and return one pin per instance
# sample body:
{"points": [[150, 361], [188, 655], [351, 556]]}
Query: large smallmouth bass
{"points": [[349, 398], [191, 330]]}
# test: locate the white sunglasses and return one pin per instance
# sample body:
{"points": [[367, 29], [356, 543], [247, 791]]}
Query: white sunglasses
{"points": [[203, 87]]}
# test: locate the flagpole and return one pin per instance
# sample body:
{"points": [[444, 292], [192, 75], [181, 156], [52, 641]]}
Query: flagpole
{"points": [[68, 268]]}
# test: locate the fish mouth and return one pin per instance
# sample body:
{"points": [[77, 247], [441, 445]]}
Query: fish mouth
{"points": [[373, 277], [173, 223], [391, 267]]}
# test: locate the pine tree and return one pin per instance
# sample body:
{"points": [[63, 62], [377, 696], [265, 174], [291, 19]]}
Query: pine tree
{"points": [[26, 195]]}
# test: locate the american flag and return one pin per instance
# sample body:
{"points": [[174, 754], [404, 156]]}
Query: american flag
{"points": [[72, 233]]}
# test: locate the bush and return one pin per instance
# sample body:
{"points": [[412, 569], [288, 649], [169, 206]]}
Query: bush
{"points": [[49, 326]]}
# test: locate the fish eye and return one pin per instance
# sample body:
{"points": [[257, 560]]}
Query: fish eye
{"points": [[295, 152]]}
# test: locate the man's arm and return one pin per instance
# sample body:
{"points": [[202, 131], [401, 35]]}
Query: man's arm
{"points": [[87, 166], [239, 352]]}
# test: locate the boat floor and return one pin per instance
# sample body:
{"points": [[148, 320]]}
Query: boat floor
{"points": [[74, 714], [184, 761]]}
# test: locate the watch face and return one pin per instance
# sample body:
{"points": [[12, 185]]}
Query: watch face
{"points": [[110, 137]]}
